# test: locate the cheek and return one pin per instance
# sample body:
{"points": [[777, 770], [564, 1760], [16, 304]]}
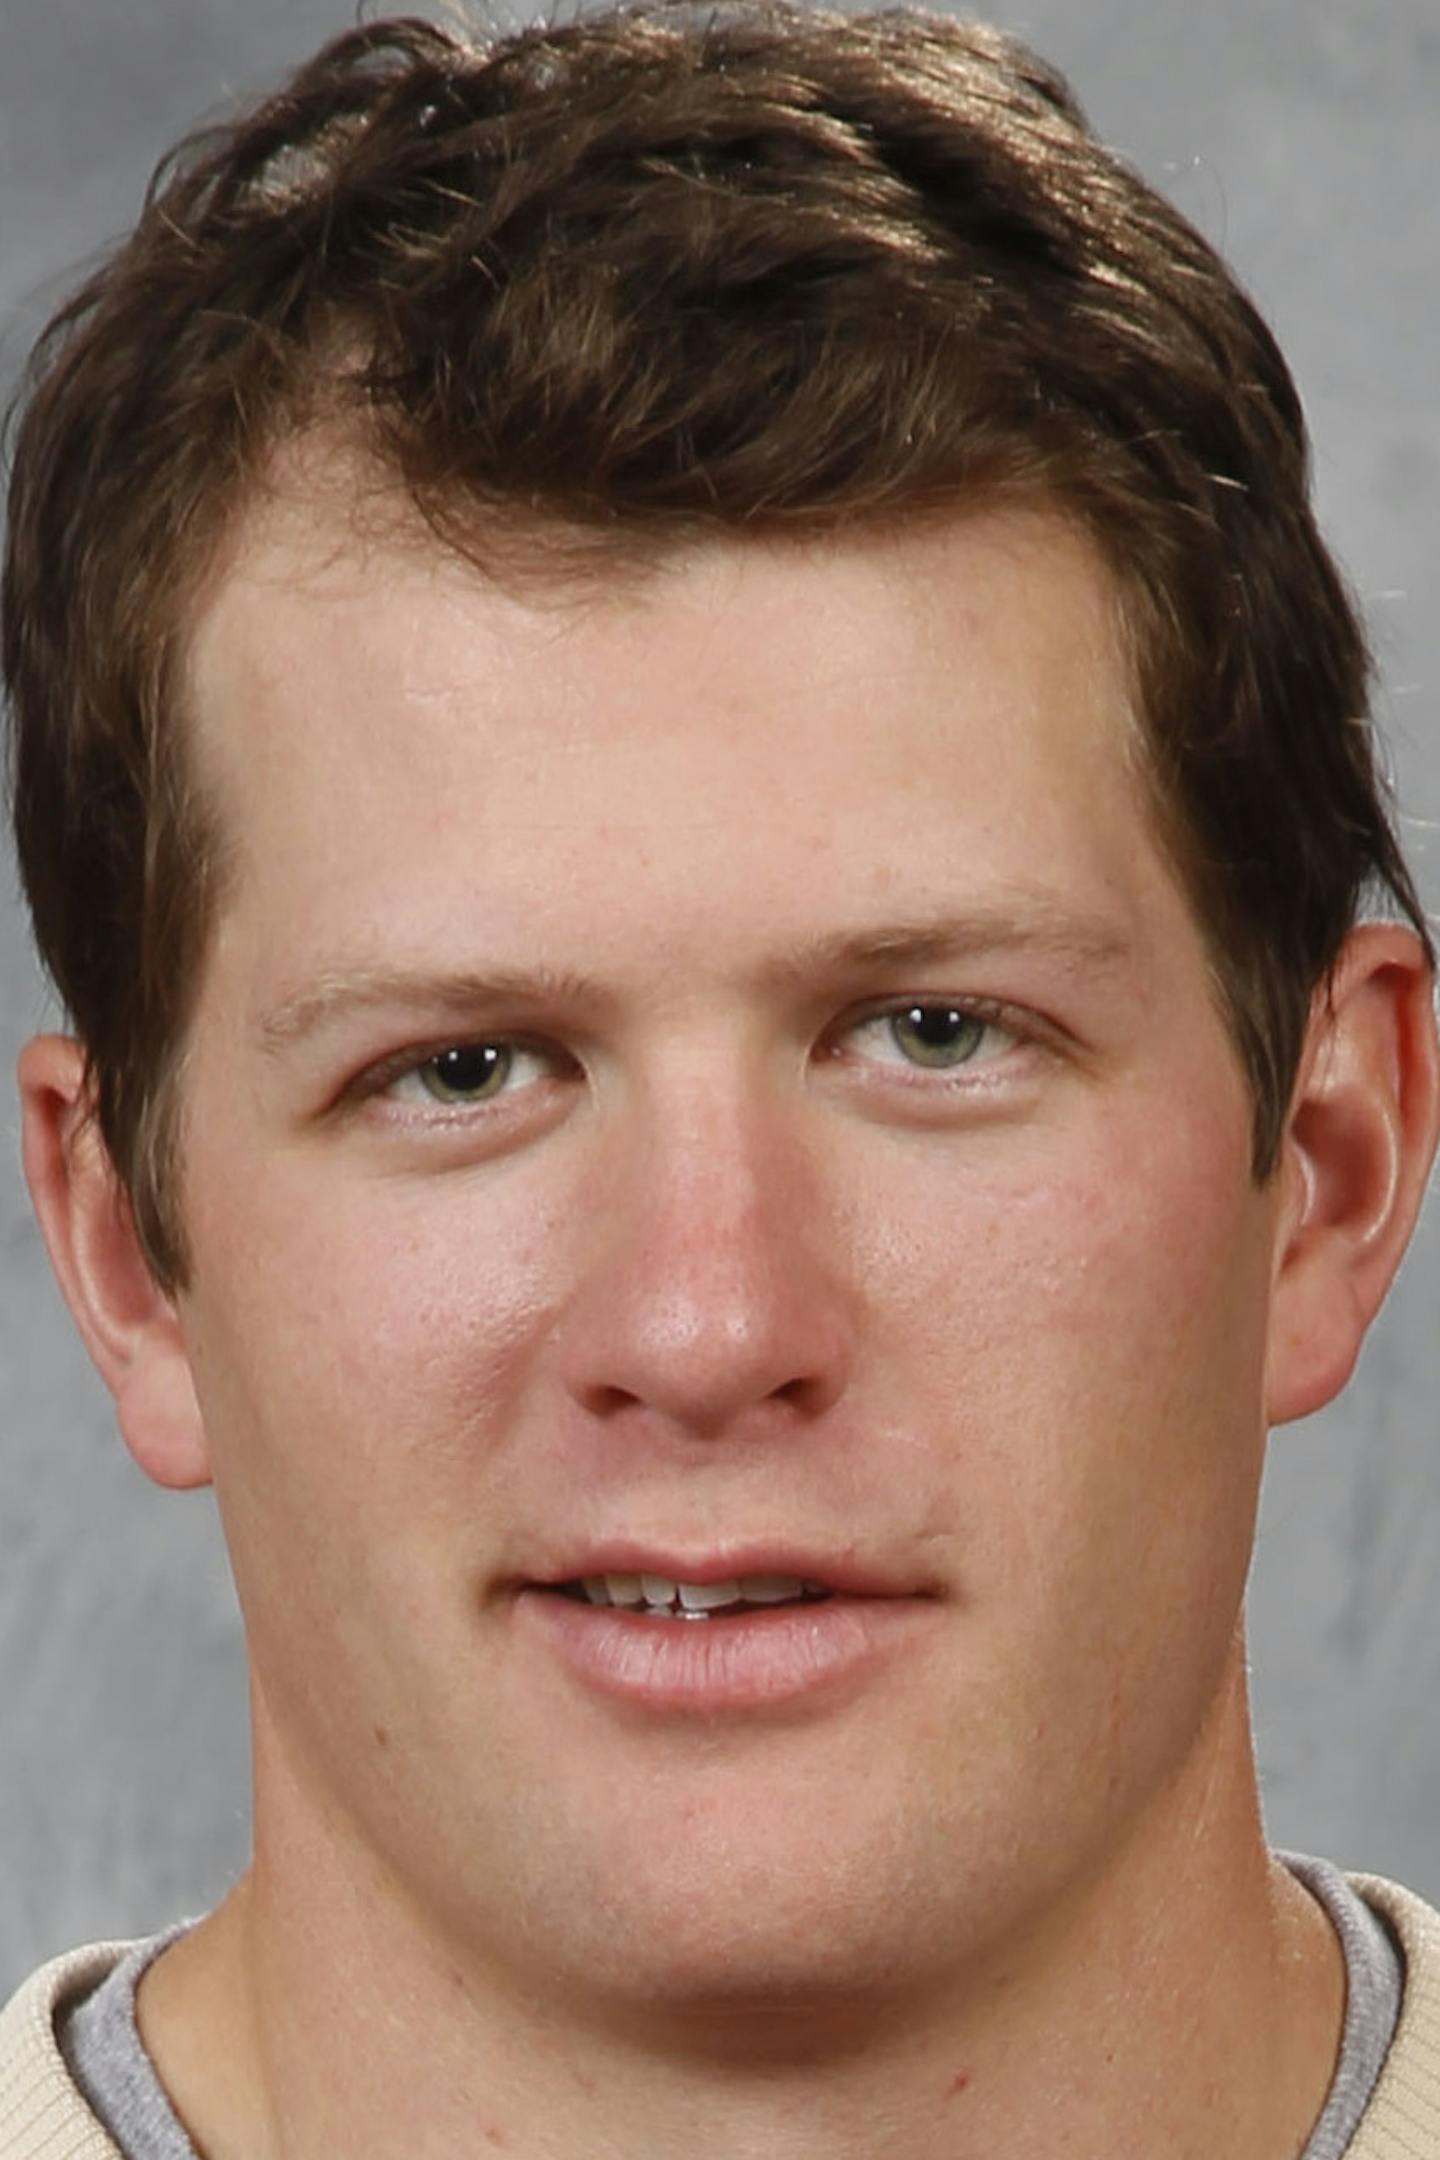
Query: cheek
{"points": [[1086, 1333], [365, 1348], [1082, 1352]]}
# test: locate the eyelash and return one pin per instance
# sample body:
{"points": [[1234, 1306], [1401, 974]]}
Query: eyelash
{"points": [[986, 1014], [411, 1064], [992, 1016]]}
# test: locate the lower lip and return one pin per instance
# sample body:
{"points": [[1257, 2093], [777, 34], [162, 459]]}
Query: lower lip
{"points": [[741, 1661]]}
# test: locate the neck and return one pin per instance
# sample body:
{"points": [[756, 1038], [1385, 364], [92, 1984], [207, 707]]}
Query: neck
{"points": [[1185, 1996]]}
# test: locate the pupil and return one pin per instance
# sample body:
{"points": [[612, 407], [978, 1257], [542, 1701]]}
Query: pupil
{"points": [[469, 1068], [938, 1034], [934, 1024]]}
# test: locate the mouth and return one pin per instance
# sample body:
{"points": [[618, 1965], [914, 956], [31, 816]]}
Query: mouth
{"points": [[770, 1635], [661, 1597]]}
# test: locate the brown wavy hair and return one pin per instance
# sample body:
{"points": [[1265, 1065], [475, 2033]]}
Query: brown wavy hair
{"points": [[656, 273]]}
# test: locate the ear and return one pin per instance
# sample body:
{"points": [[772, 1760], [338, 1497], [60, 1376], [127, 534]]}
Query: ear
{"points": [[129, 1325], [1357, 1151]]}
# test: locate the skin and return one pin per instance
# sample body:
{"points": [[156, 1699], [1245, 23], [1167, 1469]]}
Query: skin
{"points": [[718, 1263]]}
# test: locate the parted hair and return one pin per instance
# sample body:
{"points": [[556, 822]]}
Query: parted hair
{"points": [[649, 275]]}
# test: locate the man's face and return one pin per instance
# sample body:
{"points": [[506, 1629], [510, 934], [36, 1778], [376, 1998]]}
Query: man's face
{"points": [[714, 1079]]}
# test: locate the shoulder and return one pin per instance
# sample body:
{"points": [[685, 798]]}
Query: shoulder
{"points": [[1402, 2121], [42, 2113]]}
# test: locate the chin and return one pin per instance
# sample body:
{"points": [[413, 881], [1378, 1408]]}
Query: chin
{"points": [[722, 1989], [733, 1929]]}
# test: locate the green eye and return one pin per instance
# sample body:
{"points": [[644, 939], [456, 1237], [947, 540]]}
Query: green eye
{"points": [[936, 1036], [467, 1072]]}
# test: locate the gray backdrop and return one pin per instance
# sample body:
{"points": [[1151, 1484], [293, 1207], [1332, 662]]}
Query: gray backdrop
{"points": [[1304, 137]]}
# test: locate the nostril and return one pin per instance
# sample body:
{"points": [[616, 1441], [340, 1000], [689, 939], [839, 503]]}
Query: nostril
{"points": [[605, 1401]]}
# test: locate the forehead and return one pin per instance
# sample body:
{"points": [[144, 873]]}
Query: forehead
{"points": [[746, 729]]}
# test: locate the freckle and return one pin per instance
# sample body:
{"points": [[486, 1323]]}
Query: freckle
{"points": [[382, 1737], [958, 2084]]}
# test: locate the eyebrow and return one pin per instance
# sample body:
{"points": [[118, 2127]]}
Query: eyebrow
{"points": [[1030, 923], [370, 987], [1081, 941]]}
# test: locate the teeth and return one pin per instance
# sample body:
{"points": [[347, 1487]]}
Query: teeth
{"points": [[773, 1589], [705, 1597], [658, 1594]]}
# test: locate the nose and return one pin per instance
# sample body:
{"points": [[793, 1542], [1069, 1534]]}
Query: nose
{"points": [[714, 1299]]}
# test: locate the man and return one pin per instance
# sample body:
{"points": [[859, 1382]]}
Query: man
{"points": [[743, 1009]]}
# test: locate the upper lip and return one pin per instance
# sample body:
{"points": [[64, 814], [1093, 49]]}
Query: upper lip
{"points": [[841, 1570]]}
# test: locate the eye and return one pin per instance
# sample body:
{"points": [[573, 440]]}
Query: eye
{"points": [[934, 1034], [468, 1072]]}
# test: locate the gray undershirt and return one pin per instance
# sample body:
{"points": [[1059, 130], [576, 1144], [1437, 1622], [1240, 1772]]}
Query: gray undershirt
{"points": [[107, 2059], [1374, 1985], [101, 2043]]}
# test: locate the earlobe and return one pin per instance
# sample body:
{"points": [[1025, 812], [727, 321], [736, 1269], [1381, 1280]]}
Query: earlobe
{"points": [[1358, 1148], [129, 1325]]}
